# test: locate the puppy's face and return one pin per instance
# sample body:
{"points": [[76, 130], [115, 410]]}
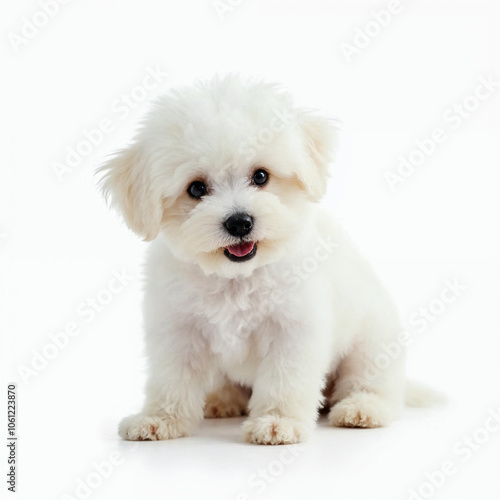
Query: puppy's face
{"points": [[225, 173], [231, 218]]}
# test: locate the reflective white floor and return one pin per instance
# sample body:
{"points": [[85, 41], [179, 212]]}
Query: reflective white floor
{"points": [[389, 463]]}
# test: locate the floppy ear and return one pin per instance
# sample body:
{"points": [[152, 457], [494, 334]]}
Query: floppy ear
{"points": [[128, 183], [319, 139]]}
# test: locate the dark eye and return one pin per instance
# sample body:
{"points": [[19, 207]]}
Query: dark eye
{"points": [[197, 189], [260, 177]]}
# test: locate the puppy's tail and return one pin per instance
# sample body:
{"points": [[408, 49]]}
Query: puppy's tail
{"points": [[418, 394]]}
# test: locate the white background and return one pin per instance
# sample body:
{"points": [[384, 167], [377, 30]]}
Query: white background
{"points": [[60, 244]]}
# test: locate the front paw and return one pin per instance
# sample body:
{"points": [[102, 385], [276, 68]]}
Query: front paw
{"points": [[142, 427], [272, 429]]}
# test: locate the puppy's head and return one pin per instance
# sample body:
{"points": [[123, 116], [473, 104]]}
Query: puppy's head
{"points": [[225, 172]]}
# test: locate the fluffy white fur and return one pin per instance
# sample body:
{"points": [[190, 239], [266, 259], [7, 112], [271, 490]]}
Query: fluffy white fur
{"points": [[306, 309]]}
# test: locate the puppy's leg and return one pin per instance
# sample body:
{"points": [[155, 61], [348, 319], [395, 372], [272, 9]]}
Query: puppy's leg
{"points": [[287, 391], [231, 400], [175, 393], [368, 392]]}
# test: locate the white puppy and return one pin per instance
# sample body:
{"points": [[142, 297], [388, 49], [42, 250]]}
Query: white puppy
{"points": [[254, 297]]}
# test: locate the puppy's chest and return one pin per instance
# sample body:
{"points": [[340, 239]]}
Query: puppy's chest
{"points": [[232, 313]]}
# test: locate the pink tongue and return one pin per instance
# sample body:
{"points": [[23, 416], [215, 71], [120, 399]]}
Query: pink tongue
{"points": [[242, 249]]}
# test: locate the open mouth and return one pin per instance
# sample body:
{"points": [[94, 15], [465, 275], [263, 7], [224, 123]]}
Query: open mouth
{"points": [[242, 252]]}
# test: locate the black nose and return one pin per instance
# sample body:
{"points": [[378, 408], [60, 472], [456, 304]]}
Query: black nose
{"points": [[239, 224]]}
